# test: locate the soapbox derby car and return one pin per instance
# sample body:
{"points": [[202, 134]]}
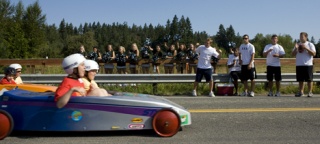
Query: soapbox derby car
{"points": [[30, 87], [22, 110]]}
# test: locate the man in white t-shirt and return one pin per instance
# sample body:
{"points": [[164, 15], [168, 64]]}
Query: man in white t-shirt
{"points": [[304, 52], [204, 67], [246, 57], [273, 52], [234, 68]]}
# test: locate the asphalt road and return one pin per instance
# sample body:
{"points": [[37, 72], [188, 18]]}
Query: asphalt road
{"points": [[242, 120]]}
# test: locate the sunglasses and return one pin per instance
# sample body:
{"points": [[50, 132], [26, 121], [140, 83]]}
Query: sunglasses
{"points": [[18, 71], [245, 38]]}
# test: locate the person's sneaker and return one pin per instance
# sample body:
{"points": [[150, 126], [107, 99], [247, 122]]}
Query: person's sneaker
{"points": [[310, 94], [244, 94], [235, 94], [251, 94], [299, 94], [211, 94], [277, 94], [270, 93], [194, 93]]}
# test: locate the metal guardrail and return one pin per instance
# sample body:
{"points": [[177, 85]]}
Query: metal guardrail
{"points": [[150, 78]]}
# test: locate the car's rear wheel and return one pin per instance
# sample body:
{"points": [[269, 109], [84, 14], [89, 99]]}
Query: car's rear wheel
{"points": [[166, 123], [6, 124]]}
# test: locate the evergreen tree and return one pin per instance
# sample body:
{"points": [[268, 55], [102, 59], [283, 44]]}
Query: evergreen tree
{"points": [[16, 38], [34, 27], [231, 35], [221, 38], [174, 27], [313, 40], [6, 11], [189, 31]]}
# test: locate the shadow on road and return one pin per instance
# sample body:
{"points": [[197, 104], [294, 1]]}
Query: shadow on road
{"points": [[32, 134]]}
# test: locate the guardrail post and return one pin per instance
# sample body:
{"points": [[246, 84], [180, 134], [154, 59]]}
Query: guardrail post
{"points": [[318, 83], [155, 88]]}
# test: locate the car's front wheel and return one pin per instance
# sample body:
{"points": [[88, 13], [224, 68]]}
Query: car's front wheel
{"points": [[166, 123]]}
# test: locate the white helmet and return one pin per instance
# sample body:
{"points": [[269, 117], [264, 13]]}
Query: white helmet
{"points": [[15, 66], [71, 62], [91, 65]]}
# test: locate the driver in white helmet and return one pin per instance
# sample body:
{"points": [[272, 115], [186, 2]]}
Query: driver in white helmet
{"points": [[90, 85], [17, 77], [72, 85]]}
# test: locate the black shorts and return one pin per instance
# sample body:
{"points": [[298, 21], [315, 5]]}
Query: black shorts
{"points": [[276, 71], [304, 73], [235, 75], [247, 74], [207, 73]]}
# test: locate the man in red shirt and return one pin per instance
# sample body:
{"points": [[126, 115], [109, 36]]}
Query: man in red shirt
{"points": [[9, 76]]}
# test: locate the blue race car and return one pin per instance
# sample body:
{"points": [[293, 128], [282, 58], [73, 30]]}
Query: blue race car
{"points": [[22, 110]]}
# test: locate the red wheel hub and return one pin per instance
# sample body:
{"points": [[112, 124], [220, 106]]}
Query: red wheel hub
{"points": [[5, 125], [166, 123]]}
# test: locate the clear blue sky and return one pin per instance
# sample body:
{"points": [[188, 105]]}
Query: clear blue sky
{"points": [[246, 16]]}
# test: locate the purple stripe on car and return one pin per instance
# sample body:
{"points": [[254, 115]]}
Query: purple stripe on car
{"points": [[143, 111]]}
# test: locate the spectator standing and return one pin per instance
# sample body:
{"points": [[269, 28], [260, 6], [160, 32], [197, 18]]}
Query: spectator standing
{"points": [[107, 58], [82, 51], [204, 66], [273, 52], [133, 58], [304, 53], [95, 54], [121, 59], [192, 57], [246, 56], [234, 68], [180, 58], [157, 54], [170, 54], [145, 54]]}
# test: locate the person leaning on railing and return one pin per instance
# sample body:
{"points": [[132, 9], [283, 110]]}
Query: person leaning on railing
{"points": [[157, 55], [192, 56], [180, 58], [133, 58], [95, 54], [121, 59], [82, 51], [145, 55], [170, 54], [108, 58]]}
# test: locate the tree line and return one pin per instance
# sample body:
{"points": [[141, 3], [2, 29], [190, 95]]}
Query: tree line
{"points": [[25, 34]]}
